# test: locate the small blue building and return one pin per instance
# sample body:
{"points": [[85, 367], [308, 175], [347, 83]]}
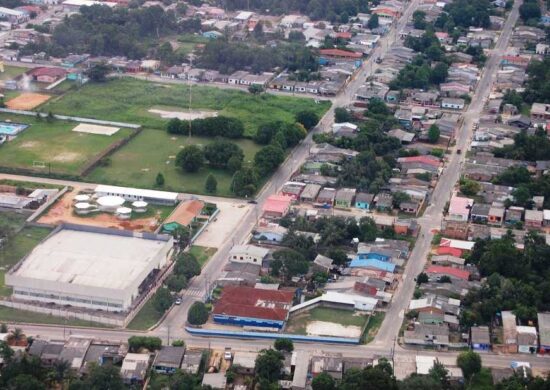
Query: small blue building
{"points": [[169, 359], [363, 200], [373, 263]]}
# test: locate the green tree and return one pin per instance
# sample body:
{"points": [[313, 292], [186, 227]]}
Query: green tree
{"points": [[284, 344], [342, 115], [219, 152], [470, 364], [400, 197], [159, 180], [269, 364], [211, 184], [137, 343], [190, 158], [422, 278], [187, 265], [268, 159], [323, 381], [174, 126], [469, 187], [198, 313], [234, 163], [255, 89], [162, 300], [105, 376], [433, 134], [25, 382], [244, 182], [373, 22], [98, 73], [308, 118], [176, 283]]}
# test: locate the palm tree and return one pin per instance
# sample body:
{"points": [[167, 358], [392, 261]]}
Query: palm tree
{"points": [[16, 336]]}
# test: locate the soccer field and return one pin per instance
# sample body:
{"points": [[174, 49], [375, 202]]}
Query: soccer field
{"points": [[153, 151], [53, 145], [129, 100]]}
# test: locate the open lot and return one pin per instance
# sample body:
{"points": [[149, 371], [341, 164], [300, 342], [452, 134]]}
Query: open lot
{"points": [[11, 72], [27, 101], [323, 321], [63, 212], [147, 317], [152, 151], [16, 248], [230, 215], [202, 253], [54, 144], [129, 100]]}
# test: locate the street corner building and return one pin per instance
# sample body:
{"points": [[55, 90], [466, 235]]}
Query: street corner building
{"points": [[253, 307], [90, 267]]}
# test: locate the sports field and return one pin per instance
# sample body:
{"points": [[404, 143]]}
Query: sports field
{"points": [[53, 143], [152, 151], [129, 100]]}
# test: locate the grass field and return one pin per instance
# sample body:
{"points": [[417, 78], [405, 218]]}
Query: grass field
{"points": [[28, 184], [16, 248], [146, 317], [150, 152], [128, 100], [7, 314], [11, 71], [375, 322], [298, 323], [53, 143], [203, 254]]}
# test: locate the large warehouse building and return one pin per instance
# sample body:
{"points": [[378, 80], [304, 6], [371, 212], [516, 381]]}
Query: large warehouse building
{"points": [[90, 267]]}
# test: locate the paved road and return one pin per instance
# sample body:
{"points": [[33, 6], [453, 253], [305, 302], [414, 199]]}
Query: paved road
{"points": [[433, 216]]}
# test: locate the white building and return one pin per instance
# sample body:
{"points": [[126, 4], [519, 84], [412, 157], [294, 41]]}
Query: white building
{"points": [[74, 5], [248, 254], [89, 267], [13, 15], [133, 194], [453, 103]]}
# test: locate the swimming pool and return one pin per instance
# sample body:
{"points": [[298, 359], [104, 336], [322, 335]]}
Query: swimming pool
{"points": [[12, 129]]}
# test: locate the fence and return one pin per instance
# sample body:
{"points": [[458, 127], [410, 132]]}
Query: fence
{"points": [[271, 336], [72, 118], [47, 204]]}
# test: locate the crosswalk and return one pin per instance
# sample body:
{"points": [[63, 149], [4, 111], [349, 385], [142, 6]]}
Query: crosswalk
{"points": [[193, 292]]}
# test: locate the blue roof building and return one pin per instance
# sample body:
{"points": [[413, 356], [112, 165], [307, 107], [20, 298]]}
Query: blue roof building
{"points": [[373, 263]]}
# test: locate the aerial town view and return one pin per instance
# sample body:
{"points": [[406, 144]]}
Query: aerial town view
{"points": [[275, 194]]}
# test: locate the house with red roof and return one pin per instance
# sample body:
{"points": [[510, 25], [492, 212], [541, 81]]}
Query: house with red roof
{"points": [[248, 306], [276, 206], [437, 271], [339, 53], [445, 250], [47, 74]]}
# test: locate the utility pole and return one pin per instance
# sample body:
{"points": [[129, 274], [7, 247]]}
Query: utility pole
{"points": [[190, 92], [168, 336], [393, 352]]}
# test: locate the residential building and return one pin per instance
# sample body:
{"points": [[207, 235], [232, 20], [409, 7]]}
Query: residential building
{"points": [[496, 215], [527, 339], [384, 201], [168, 359], [310, 192], [480, 339], [245, 362], [459, 208], [543, 320], [344, 197], [363, 200], [428, 335], [332, 364], [134, 368], [250, 254], [326, 196], [533, 219], [509, 329], [191, 362], [276, 206]]}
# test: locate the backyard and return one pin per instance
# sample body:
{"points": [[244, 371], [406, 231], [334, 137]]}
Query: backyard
{"points": [[323, 321], [153, 151], [129, 100], [54, 145]]}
